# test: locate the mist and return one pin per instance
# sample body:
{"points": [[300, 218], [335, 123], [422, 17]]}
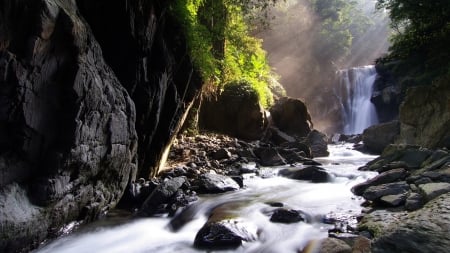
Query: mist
{"points": [[307, 64]]}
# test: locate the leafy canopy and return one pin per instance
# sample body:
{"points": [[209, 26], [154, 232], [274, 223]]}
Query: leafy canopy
{"points": [[422, 36], [220, 44]]}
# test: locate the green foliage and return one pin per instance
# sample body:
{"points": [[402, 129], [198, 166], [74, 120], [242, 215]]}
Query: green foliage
{"points": [[420, 46], [340, 22], [220, 44]]}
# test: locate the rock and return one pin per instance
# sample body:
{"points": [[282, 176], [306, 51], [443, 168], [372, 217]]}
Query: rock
{"points": [[81, 119], [291, 116], [422, 231], [311, 173], [236, 112], [221, 154], [269, 156], [318, 143], [276, 136], [376, 138], [298, 147], [161, 195], [215, 183], [393, 200], [433, 190], [362, 245], [414, 201], [430, 129], [327, 245], [383, 178], [225, 234], [378, 191], [282, 215]]}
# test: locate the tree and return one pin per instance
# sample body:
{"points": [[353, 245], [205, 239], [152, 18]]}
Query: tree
{"points": [[422, 34]]}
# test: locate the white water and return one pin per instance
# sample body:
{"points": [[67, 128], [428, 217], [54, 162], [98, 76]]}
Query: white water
{"points": [[354, 91], [153, 235]]}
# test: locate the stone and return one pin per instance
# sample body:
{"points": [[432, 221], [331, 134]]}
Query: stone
{"points": [[311, 173], [215, 183], [421, 231], [282, 215], [291, 116], [327, 245], [376, 138], [414, 201], [269, 156], [236, 112], [433, 190], [431, 128], [318, 143], [161, 195], [221, 154], [383, 178], [393, 200], [224, 234], [378, 191]]}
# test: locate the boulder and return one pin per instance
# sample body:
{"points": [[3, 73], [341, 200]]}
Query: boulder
{"points": [[314, 174], [393, 200], [376, 138], [283, 215], [318, 143], [327, 245], [215, 183], [236, 111], [269, 156], [378, 191], [414, 202], [433, 190], [161, 195], [291, 116], [422, 231], [224, 234], [383, 178]]}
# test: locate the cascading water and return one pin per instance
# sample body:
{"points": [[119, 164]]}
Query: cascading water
{"points": [[318, 200], [354, 91]]}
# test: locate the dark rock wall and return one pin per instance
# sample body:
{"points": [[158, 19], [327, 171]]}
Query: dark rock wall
{"points": [[91, 94]]}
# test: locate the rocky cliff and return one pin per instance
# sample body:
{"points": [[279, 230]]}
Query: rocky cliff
{"points": [[91, 94]]}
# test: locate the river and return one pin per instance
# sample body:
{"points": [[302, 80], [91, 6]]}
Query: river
{"points": [[318, 200]]}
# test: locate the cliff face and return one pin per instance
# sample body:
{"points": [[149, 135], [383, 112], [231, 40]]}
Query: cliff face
{"points": [[425, 115], [91, 94]]}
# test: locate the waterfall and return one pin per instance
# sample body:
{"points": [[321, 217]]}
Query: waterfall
{"points": [[354, 92]]}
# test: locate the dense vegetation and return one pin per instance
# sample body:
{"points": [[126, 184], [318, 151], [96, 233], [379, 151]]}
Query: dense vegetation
{"points": [[420, 47], [220, 44]]}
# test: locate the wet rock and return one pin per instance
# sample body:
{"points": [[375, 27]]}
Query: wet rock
{"points": [[393, 200], [269, 156], [414, 201], [433, 190], [327, 245], [215, 183], [298, 146], [422, 231], [221, 154], [378, 191], [378, 137], [318, 143], [383, 178], [161, 195], [312, 173], [236, 112], [224, 234], [282, 215], [291, 116]]}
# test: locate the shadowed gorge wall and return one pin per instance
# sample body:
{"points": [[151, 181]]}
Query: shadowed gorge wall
{"points": [[91, 94]]}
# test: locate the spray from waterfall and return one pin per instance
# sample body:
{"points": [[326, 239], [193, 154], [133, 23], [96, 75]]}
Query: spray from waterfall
{"points": [[354, 91]]}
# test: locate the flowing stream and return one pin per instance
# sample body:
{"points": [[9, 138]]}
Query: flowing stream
{"points": [[318, 200], [354, 91]]}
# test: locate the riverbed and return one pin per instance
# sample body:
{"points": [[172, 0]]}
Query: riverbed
{"points": [[319, 201]]}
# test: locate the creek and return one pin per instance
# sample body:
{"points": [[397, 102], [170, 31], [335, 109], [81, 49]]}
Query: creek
{"points": [[319, 201]]}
